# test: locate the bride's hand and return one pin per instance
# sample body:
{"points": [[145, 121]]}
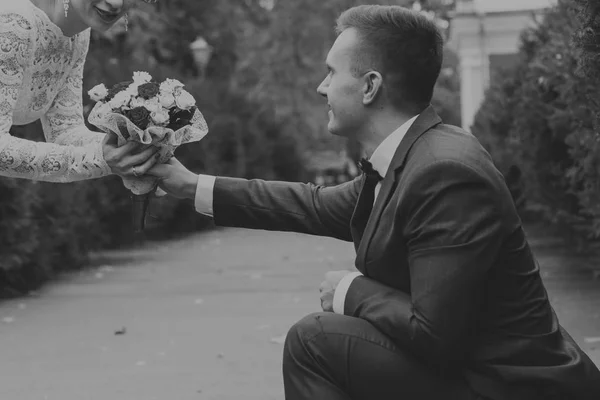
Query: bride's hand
{"points": [[129, 160]]}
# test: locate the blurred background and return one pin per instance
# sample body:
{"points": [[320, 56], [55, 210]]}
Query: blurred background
{"points": [[519, 74]]}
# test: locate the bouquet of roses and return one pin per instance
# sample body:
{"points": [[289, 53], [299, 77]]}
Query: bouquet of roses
{"points": [[158, 114]]}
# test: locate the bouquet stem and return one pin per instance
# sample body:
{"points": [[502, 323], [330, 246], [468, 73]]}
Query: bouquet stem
{"points": [[139, 204]]}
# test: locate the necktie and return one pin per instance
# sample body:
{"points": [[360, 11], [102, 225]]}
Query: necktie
{"points": [[366, 198]]}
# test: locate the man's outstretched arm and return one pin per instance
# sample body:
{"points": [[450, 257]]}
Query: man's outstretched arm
{"points": [[268, 205]]}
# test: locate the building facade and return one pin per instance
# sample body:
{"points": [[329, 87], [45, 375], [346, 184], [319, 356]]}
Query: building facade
{"points": [[485, 35]]}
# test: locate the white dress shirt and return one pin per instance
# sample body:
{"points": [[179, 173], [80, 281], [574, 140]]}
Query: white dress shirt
{"points": [[381, 160]]}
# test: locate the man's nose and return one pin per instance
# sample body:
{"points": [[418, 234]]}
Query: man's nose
{"points": [[322, 89]]}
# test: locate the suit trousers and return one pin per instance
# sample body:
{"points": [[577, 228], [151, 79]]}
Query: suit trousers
{"points": [[329, 356]]}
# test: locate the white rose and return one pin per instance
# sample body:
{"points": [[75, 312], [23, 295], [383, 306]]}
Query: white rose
{"points": [[121, 99], [132, 89], [160, 117], [98, 92], [169, 85], [185, 100], [152, 104], [167, 100], [141, 77], [137, 102]]}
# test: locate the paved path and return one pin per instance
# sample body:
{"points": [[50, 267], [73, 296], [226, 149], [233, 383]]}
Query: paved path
{"points": [[201, 318]]}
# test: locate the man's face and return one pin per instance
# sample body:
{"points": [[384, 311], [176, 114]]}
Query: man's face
{"points": [[344, 92], [101, 15]]}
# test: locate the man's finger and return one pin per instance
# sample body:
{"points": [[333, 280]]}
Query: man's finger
{"points": [[325, 285]]}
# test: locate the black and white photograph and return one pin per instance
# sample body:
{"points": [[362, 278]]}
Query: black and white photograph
{"points": [[299, 199]]}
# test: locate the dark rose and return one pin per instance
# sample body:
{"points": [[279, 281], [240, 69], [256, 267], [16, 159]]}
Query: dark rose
{"points": [[180, 123], [177, 114], [148, 90], [139, 116], [119, 87], [180, 118]]}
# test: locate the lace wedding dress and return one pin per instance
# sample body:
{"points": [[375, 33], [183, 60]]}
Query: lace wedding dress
{"points": [[41, 73]]}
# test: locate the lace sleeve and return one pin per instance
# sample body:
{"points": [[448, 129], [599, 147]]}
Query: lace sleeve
{"points": [[21, 158], [64, 123]]}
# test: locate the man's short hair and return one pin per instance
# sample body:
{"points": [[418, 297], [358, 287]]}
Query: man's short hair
{"points": [[403, 45]]}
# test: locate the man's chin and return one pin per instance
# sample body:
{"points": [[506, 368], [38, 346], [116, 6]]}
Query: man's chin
{"points": [[335, 130], [332, 128]]}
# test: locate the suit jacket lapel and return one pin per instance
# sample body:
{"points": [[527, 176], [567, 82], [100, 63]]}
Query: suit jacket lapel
{"points": [[425, 121], [356, 235]]}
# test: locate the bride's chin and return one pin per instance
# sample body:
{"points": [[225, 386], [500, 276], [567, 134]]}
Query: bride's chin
{"points": [[101, 26]]}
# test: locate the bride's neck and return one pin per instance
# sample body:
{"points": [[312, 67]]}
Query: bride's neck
{"points": [[70, 25]]}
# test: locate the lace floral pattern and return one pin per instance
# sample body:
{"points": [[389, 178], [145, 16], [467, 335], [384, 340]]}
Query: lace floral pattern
{"points": [[41, 74]]}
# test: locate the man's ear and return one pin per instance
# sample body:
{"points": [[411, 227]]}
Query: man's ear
{"points": [[372, 87]]}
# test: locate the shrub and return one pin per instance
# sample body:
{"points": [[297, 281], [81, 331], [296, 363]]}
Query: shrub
{"points": [[539, 117]]}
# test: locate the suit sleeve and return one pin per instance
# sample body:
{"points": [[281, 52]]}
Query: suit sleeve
{"points": [[452, 227], [286, 206]]}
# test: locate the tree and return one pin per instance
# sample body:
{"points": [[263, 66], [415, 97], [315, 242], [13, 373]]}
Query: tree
{"points": [[543, 117], [284, 63]]}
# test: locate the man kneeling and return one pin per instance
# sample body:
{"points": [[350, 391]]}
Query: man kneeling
{"points": [[448, 302]]}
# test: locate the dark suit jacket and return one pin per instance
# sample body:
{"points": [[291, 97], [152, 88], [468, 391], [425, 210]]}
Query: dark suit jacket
{"points": [[448, 272]]}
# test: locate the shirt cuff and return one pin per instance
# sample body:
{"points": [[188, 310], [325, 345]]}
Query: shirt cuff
{"points": [[339, 296], [204, 194]]}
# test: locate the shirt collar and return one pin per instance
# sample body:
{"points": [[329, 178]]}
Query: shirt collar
{"points": [[383, 154]]}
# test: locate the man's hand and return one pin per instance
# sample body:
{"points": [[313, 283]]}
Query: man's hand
{"points": [[328, 286], [175, 179]]}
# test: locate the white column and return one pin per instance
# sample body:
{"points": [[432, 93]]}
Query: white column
{"points": [[474, 80]]}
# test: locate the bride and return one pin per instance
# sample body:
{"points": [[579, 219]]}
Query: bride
{"points": [[43, 47]]}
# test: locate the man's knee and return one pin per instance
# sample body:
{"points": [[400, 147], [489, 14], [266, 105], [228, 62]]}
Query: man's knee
{"points": [[299, 342], [303, 331]]}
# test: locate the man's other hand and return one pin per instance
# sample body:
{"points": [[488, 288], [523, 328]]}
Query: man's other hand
{"points": [[328, 286]]}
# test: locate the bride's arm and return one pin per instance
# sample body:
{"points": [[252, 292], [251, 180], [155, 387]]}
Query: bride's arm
{"points": [[63, 123], [21, 158]]}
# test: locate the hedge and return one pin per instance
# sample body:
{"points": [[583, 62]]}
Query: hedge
{"points": [[541, 117]]}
